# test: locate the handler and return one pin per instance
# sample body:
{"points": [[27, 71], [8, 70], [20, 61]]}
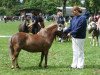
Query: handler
{"points": [[77, 30]]}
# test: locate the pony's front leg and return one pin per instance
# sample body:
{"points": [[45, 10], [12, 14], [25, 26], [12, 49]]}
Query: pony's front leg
{"points": [[42, 56], [97, 41], [46, 56]]}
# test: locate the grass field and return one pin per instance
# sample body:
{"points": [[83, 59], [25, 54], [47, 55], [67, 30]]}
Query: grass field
{"points": [[60, 57]]}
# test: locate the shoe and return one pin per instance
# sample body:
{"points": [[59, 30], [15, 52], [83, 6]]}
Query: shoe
{"points": [[71, 67], [79, 67], [62, 40]]}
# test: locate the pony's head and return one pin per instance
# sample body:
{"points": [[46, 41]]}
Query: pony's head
{"points": [[60, 27]]}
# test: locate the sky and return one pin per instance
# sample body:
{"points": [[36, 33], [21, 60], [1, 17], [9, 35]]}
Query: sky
{"points": [[82, 1], [21, 1]]}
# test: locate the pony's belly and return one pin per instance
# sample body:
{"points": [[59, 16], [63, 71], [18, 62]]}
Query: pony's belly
{"points": [[33, 49]]}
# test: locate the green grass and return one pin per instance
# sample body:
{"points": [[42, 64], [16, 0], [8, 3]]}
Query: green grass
{"points": [[60, 57]]}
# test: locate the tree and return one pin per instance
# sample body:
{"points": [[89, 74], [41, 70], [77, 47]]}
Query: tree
{"points": [[2, 11], [93, 5], [64, 7], [73, 2], [47, 6]]}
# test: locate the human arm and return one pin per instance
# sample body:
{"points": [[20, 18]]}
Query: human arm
{"points": [[68, 29], [32, 22]]}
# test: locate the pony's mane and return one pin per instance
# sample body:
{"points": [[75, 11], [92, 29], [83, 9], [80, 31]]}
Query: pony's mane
{"points": [[42, 32], [51, 26]]}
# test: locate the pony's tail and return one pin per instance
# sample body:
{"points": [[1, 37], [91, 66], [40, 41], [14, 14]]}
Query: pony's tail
{"points": [[11, 49]]}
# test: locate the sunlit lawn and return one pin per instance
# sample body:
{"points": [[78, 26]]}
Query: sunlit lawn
{"points": [[60, 57]]}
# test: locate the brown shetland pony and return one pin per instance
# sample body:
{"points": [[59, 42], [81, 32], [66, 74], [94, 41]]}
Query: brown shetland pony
{"points": [[40, 42]]}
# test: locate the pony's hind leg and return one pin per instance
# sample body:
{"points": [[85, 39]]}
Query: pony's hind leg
{"points": [[16, 63], [13, 62], [14, 58]]}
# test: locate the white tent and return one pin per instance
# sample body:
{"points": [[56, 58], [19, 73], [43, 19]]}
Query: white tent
{"points": [[69, 9]]}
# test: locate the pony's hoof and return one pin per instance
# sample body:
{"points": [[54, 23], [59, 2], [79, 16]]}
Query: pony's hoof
{"points": [[18, 67], [12, 67], [40, 65], [45, 66]]}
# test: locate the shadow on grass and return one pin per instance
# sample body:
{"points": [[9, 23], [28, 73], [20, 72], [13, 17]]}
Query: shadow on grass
{"points": [[42, 68], [92, 66], [57, 67]]}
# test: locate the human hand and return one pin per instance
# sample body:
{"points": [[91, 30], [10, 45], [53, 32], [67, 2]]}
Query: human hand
{"points": [[68, 34]]}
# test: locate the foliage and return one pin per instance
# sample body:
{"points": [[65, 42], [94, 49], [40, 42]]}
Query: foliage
{"points": [[93, 5], [73, 2], [2, 11], [9, 3], [47, 6], [44, 5], [51, 8]]}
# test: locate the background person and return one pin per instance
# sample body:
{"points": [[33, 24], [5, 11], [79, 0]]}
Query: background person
{"points": [[36, 23], [61, 22]]}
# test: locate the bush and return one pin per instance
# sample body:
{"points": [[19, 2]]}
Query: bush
{"points": [[2, 11]]}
